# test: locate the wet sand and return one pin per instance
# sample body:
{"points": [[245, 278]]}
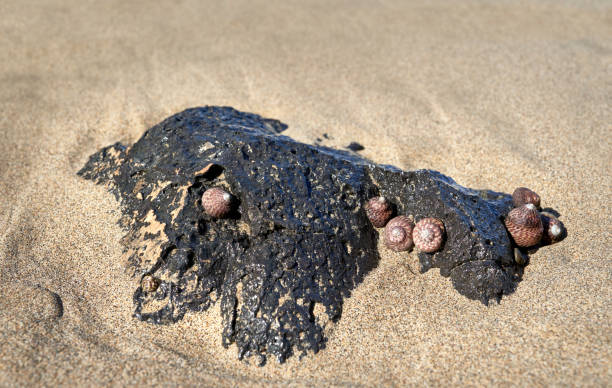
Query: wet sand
{"points": [[494, 94]]}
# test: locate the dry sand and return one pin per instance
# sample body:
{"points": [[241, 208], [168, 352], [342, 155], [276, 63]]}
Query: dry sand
{"points": [[496, 94]]}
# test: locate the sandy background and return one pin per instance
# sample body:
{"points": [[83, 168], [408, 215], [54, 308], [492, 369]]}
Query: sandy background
{"points": [[496, 94]]}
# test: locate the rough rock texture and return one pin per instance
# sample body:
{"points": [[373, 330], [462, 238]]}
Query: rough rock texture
{"points": [[299, 240]]}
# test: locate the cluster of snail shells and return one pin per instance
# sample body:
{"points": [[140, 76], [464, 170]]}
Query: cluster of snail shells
{"points": [[401, 233], [526, 225]]}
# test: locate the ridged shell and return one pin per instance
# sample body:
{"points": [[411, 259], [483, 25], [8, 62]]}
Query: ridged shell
{"points": [[217, 202], [378, 210], [523, 195], [398, 234], [428, 235], [553, 229], [524, 225]]}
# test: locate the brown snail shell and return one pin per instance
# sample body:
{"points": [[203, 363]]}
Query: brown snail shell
{"points": [[149, 283], [523, 195], [398, 233], [378, 210], [428, 235], [525, 225], [217, 202], [553, 228]]}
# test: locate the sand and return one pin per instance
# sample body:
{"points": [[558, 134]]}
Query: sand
{"points": [[496, 94]]}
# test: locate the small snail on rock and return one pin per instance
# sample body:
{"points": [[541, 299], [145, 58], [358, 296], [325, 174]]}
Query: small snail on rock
{"points": [[553, 228], [378, 210], [428, 235], [217, 202], [523, 195], [525, 225], [398, 234]]}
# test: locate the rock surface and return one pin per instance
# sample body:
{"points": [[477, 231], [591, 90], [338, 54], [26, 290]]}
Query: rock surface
{"points": [[299, 240]]}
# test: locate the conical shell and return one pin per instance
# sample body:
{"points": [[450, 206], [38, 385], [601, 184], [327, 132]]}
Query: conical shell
{"points": [[398, 234], [428, 235], [553, 229], [378, 210], [523, 195], [217, 202], [524, 225]]}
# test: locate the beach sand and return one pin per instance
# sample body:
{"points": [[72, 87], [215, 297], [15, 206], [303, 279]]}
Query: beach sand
{"points": [[496, 94]]}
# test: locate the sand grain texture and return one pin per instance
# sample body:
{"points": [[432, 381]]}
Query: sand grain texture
{"points": [[495, 94]]}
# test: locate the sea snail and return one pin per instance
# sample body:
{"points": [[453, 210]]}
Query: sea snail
{"points": [[398, 234], [523, 195], [217, 202], [525, 225], [428, 235], [553, 228], [378, 210]]}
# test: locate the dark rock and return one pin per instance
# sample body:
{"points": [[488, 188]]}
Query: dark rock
{"points": [[299, 241], [354, 146]]}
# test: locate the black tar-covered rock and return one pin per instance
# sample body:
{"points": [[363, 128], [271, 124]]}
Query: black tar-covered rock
{"points": [[299, 240], [354, 146]]}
